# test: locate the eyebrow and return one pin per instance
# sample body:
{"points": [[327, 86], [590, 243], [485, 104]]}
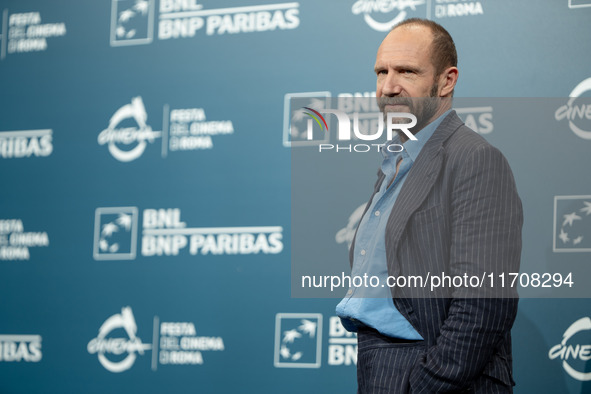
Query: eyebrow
{"points": [[397, 68]]}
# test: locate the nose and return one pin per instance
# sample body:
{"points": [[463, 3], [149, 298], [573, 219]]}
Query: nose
{"points": [[390, 85]]}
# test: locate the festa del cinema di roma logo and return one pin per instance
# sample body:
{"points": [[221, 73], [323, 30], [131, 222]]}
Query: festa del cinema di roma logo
{"points": [[117, 344], [576, 114], [369, 7], [577, 353], [104, 345], [128, 128], [183, 129]]}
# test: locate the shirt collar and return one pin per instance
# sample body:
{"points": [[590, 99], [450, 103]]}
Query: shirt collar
{"points": [[413, 148]]}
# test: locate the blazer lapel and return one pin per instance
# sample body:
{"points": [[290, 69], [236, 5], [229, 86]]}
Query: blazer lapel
{"points": [[418, 184]]}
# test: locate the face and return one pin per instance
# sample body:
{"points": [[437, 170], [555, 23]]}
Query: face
{"points": [[405, 72]]}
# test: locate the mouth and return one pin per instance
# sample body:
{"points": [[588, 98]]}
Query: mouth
{"points": [[396, 108]]}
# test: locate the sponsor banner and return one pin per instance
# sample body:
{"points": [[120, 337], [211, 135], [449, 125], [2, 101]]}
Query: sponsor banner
{"points": [[574, 350], [189, 129], [479, 119], [16, 243], [20, 348], [457, 8], [382, 15], [118, 345], [115, 233], [26, 143], [295, 123], [577, 110], [27, 32], [179, 344], [128, 134], [132, 21], [164, 234], [299, 342], [572, 224]]}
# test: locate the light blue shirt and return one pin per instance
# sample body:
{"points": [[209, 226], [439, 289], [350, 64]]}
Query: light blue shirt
{"points": [[373, 306]]}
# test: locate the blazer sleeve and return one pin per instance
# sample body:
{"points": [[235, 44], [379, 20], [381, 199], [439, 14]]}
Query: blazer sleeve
{"points": [[486, 217]]}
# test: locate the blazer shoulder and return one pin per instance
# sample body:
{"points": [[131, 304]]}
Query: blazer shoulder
{"points": [[464, 137], [465, 143]]}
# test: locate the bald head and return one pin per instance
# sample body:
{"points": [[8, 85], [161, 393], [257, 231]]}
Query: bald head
{"points": [[442, 49]]}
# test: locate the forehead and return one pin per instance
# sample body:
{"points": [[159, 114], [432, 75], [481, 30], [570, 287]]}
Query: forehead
{"points": [[408, 43]]}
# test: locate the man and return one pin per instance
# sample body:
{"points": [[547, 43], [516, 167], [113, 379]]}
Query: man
{"points": [[446, 205]]}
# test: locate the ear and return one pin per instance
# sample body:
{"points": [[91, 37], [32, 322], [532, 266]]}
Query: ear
{"points": [[447, 81]]}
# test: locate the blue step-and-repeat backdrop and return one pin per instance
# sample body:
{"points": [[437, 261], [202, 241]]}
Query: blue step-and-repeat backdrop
{"points": [[145, 185]]}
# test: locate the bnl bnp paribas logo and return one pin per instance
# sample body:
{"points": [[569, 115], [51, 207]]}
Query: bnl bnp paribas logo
{"points": [[299, 341], [20, 348], [165, 234], [133, 21], [572, 224], [128, 134]]}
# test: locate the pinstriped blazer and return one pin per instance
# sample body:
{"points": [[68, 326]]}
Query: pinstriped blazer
{"points": [[458, 212]]}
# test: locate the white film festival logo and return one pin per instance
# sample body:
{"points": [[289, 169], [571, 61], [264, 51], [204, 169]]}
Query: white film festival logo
{"points": [[15, 242], [107, 347], [578, 115], [389, 12], [26, 32], [132, 22], [115, 233], [572, 224], [571, 352], [458, 8], [128, 133], [298, 340]]}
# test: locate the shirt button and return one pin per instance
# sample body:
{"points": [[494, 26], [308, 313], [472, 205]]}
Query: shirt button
{"points": [[350, 292], [362, 252], [377, 213]]}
